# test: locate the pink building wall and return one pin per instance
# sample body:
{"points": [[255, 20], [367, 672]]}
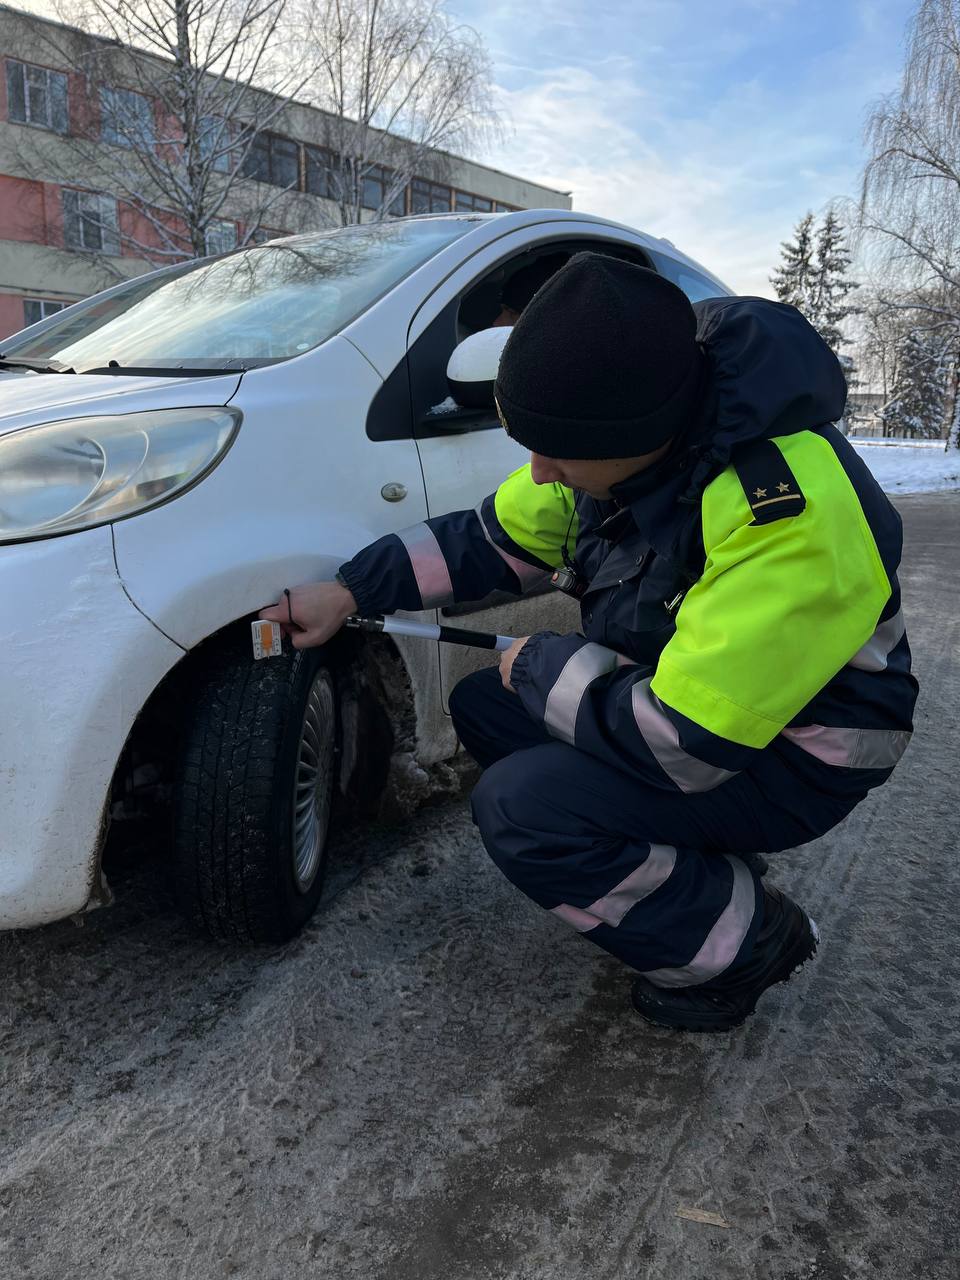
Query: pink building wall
{"points": [[11, 314], [31, 212]]}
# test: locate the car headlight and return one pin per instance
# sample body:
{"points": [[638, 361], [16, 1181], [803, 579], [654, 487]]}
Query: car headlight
{"points": [[71, 475]]}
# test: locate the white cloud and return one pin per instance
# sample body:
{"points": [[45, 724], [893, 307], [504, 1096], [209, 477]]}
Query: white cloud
{"points": [[670, 115], [676, 117], [708, 185]]}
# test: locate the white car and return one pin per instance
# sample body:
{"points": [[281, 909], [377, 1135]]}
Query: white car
{"points": [[173, 453]]}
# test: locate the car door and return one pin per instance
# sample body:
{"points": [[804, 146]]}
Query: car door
{"points": [[465, 456]]}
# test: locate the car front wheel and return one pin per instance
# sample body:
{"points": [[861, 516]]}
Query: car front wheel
{"points": [[253, 795]]}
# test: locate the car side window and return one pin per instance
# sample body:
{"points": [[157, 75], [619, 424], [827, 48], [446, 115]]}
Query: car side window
{"points": [[694, 285], [476, 308], [415, 399]]}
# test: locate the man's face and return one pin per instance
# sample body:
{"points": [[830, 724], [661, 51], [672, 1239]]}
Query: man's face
{"points": [[595, 476]]}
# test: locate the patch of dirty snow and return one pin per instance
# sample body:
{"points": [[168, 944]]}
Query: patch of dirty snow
{"points": [[919, 467]]}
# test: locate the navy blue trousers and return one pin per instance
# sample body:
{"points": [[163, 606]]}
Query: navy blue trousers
{"points": [[649, 875]]}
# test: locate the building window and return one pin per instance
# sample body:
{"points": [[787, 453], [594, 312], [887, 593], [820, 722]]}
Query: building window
{"points": [[504, 208], [35, 309], [273, 159], [376, 183], [126, 118], [464, 202], [220, 236], [320, 179], [90, 222], [263, 234], [36, 96], [323, 178], [216, 138], [429, 197]]}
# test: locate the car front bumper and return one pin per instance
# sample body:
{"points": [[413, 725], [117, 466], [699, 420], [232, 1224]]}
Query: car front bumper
{"points": [[77, 663]]}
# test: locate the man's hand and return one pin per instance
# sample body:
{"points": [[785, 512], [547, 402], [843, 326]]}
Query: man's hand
{"points": [[507, 659], [318, 609]]}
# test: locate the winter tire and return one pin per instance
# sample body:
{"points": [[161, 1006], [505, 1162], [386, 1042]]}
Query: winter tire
{"points": [[254, 793]]}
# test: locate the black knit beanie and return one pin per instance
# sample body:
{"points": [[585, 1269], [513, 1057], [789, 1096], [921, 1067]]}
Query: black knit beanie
{"points": [[603, 363]]}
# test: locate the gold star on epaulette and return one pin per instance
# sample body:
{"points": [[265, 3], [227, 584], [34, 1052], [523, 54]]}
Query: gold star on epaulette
{"points": [[782, 488], [759, 493]]}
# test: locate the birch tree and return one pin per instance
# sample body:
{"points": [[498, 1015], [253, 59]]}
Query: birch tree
{"points": [[877, 342], [179, 91], [910, 194], [402, 83]]}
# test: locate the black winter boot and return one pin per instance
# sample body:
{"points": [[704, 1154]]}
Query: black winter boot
{"points": [[784, 941]]}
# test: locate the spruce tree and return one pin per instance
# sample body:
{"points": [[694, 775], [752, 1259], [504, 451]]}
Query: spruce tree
{"points": [[829, 305], [795, 279], [916, 406], [812, 277]]}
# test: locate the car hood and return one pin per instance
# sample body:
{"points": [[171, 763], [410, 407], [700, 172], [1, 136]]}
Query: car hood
{"points": [[28, 399]]}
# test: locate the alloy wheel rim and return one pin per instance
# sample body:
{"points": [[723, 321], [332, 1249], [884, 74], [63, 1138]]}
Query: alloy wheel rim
{"points": [[313, 782]]}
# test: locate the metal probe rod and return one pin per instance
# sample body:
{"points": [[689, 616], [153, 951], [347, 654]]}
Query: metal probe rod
{"points": [[431, 631]]}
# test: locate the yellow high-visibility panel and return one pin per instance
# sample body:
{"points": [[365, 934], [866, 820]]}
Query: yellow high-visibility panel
{"points": [[780, 608], [537, 516]]}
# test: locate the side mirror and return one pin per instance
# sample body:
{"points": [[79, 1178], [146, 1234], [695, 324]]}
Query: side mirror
{"points": [[472, 369]]}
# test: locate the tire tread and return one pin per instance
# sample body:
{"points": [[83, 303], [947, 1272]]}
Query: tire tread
{"points": [[225, 865]]}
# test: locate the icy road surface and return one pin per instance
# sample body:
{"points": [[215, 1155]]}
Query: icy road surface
{"points": [[437, 1081]]}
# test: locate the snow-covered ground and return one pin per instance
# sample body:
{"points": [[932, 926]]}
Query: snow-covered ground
{"points": [[917, 466]]}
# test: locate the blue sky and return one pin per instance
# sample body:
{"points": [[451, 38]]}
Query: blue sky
{"points": [[716, 123]]}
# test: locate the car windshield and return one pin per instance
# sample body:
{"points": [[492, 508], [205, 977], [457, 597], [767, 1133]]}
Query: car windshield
{"points": [[260, 305]]}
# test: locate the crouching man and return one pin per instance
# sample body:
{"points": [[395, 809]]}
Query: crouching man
{"points": [[743, 676]]}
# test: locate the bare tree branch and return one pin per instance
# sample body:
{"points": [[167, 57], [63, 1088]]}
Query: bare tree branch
{"points": [[183, 89], [401, 83], [909, 215]]}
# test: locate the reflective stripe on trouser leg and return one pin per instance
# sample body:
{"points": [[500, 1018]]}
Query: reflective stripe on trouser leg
{"points": [[665, 909], [722, 944]]}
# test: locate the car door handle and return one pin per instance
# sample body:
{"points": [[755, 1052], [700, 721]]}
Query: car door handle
{"points": [[393, 491]]}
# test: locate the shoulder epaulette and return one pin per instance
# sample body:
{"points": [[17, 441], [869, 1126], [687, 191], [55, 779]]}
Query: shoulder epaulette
{"points": [[770, 486]]}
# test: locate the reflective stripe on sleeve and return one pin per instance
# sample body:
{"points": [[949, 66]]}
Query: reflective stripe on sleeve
{"points": [[528, 574], [563, 700], [660, 734], [851, 748], [874, 654], [654, 871], [429, 566], [723, 941]]}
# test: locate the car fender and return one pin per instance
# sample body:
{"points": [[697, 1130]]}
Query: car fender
{"points": [[298, 493], [79, 664]]}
